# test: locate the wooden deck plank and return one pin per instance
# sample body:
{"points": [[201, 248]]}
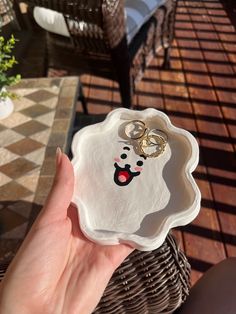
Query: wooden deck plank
{"points": [[177, 232], [149, 89], [214, 152], [116, 98], [226, 96], [100, 96], [86, 80], [203, 251]]}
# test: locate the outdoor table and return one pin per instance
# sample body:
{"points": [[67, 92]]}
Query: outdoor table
{"points": [[42, 120]]}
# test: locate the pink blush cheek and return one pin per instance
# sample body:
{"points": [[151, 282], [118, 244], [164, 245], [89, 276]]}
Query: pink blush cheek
{"points": [[138, 169], [117, 159]]}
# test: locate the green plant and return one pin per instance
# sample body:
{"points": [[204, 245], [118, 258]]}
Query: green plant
{"points": [[7, 61]]}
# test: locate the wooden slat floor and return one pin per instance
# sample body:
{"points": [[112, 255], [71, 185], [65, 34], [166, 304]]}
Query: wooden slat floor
{"points": [[199, 94]]}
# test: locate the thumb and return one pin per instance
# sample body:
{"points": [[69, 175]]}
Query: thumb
{"points": [[61, 192]]}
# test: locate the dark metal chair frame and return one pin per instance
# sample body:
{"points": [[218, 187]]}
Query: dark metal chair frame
{"points": [[100, 47]]}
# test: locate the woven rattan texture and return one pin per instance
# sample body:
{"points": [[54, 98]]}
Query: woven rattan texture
{"points": [[159, 35], [90, 52], [153, 41], [114, 23], [88, 11], [98, 43], [148, 282]]}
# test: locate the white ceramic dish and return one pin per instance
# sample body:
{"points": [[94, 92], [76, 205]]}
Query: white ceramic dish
{"points": [[142, 209]]}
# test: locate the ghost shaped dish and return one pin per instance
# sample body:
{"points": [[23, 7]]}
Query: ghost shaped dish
{"points": [[122, 195]]}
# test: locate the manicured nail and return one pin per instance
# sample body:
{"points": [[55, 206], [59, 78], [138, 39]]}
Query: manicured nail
{"points": [[58, 156]]}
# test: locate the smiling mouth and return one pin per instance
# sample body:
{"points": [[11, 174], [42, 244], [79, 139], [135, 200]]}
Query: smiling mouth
{"points": [[123, 176]]}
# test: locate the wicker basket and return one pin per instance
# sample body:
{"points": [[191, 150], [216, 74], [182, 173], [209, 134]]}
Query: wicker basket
{"points": [[148, 282]]}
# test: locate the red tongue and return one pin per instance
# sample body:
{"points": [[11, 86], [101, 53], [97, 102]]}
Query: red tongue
{"points": [[123, 176]]}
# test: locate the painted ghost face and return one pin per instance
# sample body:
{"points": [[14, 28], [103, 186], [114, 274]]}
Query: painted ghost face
{"points": [[124, 171], [111, 176]]}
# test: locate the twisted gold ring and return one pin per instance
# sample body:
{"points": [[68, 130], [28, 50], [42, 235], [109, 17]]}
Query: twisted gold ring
{"points": [[148, 142], [147, 139]]}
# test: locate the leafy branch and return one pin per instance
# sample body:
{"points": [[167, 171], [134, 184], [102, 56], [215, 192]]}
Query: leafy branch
{"points": [[7, 61]]}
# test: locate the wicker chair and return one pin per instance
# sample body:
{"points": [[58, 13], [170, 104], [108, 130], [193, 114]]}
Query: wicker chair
{"points": [[97, 41], [154, 282]]}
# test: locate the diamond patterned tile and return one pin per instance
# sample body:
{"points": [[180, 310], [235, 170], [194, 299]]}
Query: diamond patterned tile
{"points": [[25, 173], [29, 198], [4, 179], [8, 137], [42, 137], [36, 110], [10, 220], [51, 103], [25, 91], [29, 181], [25, 146], [47, 119], [13, 191], [40, 95], [37, 156], [56, 82], [22, 103], [17, 168], [6, 156], [54, 89], [15, 119], [30, 128]]}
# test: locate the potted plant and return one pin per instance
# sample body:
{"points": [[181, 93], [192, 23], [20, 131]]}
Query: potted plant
{"points": [[7, 61]]}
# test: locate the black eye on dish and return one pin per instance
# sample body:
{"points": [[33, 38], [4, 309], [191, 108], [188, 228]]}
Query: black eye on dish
{"points": [[123, 156], [139, 163]]}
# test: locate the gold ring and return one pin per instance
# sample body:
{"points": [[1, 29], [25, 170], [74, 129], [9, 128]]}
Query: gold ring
{"points": [[138, 130], [147, 142], [160, 133]]}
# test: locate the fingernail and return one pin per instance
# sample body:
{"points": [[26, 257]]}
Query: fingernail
{"points": [[58, 156]]}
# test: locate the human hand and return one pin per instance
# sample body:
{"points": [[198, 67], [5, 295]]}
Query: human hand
{"points": [[57, 270]]}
